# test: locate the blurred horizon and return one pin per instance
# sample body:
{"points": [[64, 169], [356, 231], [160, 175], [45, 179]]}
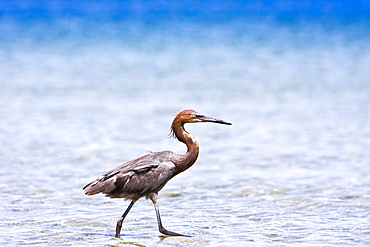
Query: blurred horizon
{"points": [[112, 19], [195, 43], [47, 20], [213, 11]]}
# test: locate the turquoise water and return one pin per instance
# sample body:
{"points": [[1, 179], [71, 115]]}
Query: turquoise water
{"points": [[78, 99]]}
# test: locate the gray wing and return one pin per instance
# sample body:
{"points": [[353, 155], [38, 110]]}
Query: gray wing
{"points": [[136, 178]]}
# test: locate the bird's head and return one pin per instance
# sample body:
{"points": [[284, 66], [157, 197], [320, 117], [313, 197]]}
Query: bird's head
{"points": [[191, 116]]}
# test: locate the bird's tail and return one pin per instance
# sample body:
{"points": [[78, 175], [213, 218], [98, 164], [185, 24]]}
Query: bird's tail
{"points": [[97, 187], [103, 185], [91, 188]]}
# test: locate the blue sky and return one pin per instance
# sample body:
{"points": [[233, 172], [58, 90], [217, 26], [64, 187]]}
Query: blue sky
{"points": [[343, 11]]}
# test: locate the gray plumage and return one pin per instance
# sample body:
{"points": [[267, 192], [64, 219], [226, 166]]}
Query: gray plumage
{"points": [[136, 178]]}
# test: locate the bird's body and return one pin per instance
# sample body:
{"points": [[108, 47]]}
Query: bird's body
{"points": [[136, 178], [146, 176]]}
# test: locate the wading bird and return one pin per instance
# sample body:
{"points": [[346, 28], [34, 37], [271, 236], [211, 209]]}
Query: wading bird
{"points": [[147, 175]]}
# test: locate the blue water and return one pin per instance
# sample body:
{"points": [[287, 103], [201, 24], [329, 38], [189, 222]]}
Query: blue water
{"points": [[80, 96]]}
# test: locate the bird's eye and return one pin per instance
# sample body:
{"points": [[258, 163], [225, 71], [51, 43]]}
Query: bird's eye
{"points": [[198, 116]]}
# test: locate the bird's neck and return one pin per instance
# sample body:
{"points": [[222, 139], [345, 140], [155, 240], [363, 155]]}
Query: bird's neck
{"points": [[188, 159]]}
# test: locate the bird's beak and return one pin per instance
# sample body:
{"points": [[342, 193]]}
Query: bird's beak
{"points": [[202, 118]]}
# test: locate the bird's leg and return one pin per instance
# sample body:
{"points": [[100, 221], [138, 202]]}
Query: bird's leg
{"points": [[160, 226], [119, 222], [153, 197]]}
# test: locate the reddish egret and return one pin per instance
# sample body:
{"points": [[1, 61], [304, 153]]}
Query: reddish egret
{"points": [[147, 175]]}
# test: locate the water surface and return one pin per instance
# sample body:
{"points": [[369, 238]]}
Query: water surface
{"points": [[292, 169]]}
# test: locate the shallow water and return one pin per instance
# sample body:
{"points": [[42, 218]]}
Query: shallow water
{"points": [[292, 169]]}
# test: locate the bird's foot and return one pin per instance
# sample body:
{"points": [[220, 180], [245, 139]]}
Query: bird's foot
{"points": [[169, 233], [118, 228]]}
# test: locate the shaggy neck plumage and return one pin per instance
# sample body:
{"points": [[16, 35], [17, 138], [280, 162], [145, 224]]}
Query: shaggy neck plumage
{"points": [[188, 159]]}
